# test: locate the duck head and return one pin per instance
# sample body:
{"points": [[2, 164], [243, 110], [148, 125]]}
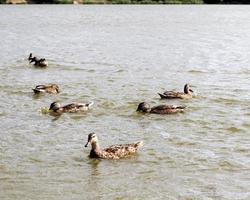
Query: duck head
{"points": [[30, 56], [187, 89], [92, 139], [143, 107], [54, 106]]}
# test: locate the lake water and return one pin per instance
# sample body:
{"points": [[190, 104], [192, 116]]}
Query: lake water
{"points": [[119, 56]]}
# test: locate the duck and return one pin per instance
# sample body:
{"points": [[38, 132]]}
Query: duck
{"points": [[70, 108], [187, 94], [161, 109], [51, 89], [38, 62], [113, 152]]}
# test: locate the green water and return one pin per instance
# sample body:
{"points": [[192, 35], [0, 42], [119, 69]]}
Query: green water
{"points": [[119, 56]]}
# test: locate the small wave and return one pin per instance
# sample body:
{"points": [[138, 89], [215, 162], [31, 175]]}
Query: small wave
{"points": [[78, 116], [35, 160], [17, 92], [107, 105], [234, 129], [183, 143], [99, 64], [245, 71], [120, 70], [242, 150], [193, 71], [227, 101], [227, 165]]}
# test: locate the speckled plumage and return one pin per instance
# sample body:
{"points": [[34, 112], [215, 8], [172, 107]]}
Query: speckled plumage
{"points": [[52, 89], [112, 152], [187, 94], [38, 62], [161, 109], [70, 108]]}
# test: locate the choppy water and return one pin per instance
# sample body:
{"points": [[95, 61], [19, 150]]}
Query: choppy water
{"points": [[118, 56]]}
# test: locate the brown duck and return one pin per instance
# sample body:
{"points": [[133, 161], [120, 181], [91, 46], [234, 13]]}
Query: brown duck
{"points": [[161, 109], [51, 88], [70, 108], [38, 62], [112, 152], [187, 94]]}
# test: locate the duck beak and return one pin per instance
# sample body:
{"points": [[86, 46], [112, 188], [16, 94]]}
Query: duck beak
{"points": [[191, 90], [86, 145]]}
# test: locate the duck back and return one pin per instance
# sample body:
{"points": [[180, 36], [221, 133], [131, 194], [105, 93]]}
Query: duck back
{"points": [[116, 151]]}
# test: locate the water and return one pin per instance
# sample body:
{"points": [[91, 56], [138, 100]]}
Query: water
{"points": [[119, 56]]}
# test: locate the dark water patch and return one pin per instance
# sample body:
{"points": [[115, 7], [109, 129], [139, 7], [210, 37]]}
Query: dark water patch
{"points": [[197, 71], [3, 114], [242, 150], [239, 91], [79, 116], [234, 129], [227, 101], [43, 96], [91, 70]]}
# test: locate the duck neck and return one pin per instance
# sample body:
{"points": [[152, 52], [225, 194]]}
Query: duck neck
{"points": [[58, 110], [186, 90], [95, 146]]}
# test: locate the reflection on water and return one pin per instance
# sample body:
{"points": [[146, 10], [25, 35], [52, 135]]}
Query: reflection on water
{"points": [[119, 56]]}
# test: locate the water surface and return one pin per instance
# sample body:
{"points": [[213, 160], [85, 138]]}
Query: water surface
{"points": [[119, 56]]}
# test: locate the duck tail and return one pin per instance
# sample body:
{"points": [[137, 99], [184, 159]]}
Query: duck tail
{"points": [[162, 96], [90, 104], [139, 144], [181, 107]]}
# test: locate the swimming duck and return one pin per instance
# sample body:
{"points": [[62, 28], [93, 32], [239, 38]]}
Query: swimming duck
{"points": [[187, 94], [38, 62], [112, 152], [52, 89], [70, 108], [161, 109]]}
